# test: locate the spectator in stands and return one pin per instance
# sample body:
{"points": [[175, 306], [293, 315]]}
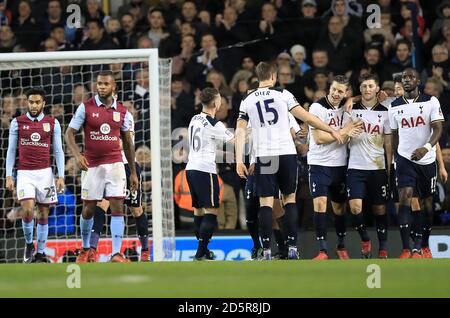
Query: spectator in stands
{"points": [[319, 61], [382, 37], [372, 64], [187, 48], [400, 61], [57, 33], [127, 34], [198, 66], [5, 15], [97, 39], [22, 103], [298, 54], [284, 58], [112, 28], [219, 82], [182, 104], [438, 67], [349, 15], [288, 80], [229, 32], [53, 18], [156, 32], [278, 34], [137, 8], [189, 14], [443, 13], [305, 29], [94, 11], [205, 18], [25, 28], [8, 110], [7, 39], [342, 46], [144, 42], [50, 45], [246, 70], [80, 94], [245, 13]]}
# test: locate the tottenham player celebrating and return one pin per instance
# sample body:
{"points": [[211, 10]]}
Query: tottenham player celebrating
{"points": [[276, 157], [32, 134], [205, 133], [105, 122], [366, 176], [327, 162], [416, 123]]}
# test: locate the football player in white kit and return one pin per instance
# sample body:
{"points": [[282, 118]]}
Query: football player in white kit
{"points": [[276, 156], [367, 176], [416, 123], [205, 132]]}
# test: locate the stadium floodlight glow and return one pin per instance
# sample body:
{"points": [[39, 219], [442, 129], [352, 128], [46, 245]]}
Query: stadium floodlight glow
{"points": [[160, 134]]}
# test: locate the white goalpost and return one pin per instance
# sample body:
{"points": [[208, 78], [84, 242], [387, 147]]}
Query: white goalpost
{"points": [[19, 71]]}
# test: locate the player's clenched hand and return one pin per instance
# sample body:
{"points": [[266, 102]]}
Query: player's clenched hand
{"points": [[241, 170], [60, 185], [9, 183], [134, 182], [82, 162], [419, 153]]}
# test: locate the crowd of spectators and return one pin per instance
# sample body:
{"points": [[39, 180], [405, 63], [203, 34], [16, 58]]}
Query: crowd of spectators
{"points": [[218, 43]]}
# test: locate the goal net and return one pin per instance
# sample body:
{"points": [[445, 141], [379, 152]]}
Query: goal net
{"points": [[68, 78]]}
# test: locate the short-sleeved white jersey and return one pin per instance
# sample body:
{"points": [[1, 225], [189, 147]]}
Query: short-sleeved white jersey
{"points": [[267, 110], [332, 154], [205, 133], [413, 119], [367, 149]]}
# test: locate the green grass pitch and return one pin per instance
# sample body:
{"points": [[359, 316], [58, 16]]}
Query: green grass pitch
{"points": [[399, 278]]}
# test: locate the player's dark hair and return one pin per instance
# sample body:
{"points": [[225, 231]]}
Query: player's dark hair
{"points": [[368, 77], [207, 96], [264, 71], [342, 79], [412, 70], [35, 91], [105, 73]]}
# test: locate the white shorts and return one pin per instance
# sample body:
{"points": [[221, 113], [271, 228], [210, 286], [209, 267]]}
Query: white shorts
{"points": [[38, 185], [105, 181]]}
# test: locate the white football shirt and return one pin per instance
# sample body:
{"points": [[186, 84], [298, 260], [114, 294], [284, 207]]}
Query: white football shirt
{"points": [[367, 149], [332, 154], [413, 121], [267, 110], [205, 134]]}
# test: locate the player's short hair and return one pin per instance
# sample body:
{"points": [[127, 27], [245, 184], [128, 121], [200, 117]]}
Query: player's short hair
{"points": [[35, 91], [264, 70], [105, 73], [342, 79], [207, 96], [368, 77]]}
